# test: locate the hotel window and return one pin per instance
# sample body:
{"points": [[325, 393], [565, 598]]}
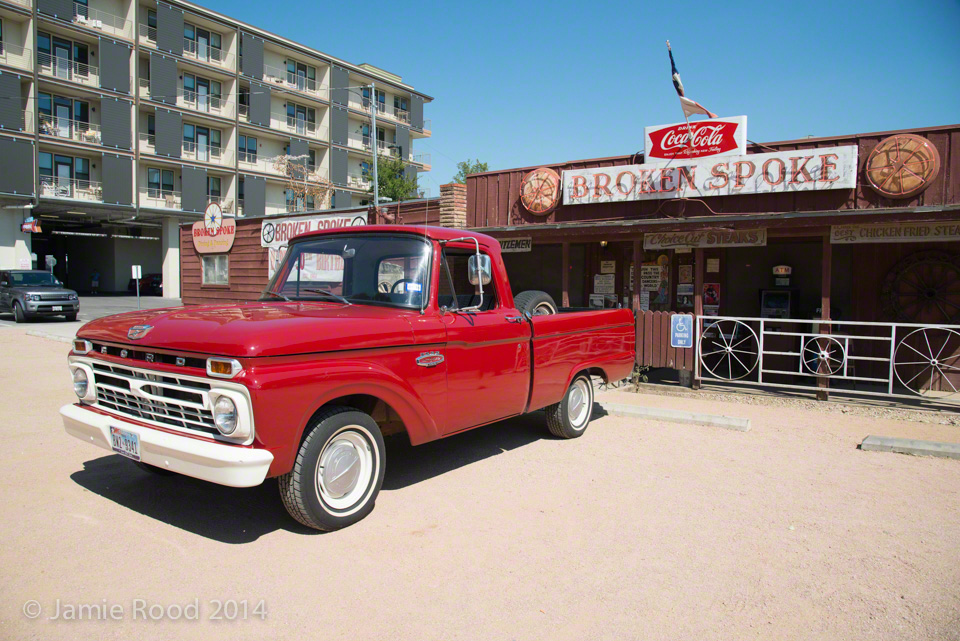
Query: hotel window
{"points": [[152, 22], [247, 147], [46, 163], [303, 119], [1, 36], [204, 44], [151, 125], [159, 182], [311, 160], [381, 100], [213, 188], [215, 269], [301, 75], [81, 170]]}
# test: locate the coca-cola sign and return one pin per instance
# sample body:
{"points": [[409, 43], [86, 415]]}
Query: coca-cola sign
{"points": [[713, 137]]}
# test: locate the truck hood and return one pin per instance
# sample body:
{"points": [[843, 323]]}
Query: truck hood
{"points": [[259, 329]]}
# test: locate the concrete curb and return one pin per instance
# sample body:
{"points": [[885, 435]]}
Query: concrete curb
{"points": [[49, 336], [910, 446], [677, 416]]}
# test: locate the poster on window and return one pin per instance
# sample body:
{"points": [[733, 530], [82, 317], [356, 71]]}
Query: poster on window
{"points": [[604, 283], [656, 280], [685, 274]]}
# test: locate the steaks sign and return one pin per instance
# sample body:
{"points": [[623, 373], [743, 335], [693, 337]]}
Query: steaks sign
{"points": [[713, 137], [777, 172]]}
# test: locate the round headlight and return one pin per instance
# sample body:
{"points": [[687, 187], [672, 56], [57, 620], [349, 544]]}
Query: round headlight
{"points": [[80, 382], [225, 416]]}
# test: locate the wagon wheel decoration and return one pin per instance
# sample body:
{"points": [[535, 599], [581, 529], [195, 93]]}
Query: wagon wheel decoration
{"points": [[923, 288], [729, 349], [927, 362], [540, 191], [902, 166], [823, 355]]}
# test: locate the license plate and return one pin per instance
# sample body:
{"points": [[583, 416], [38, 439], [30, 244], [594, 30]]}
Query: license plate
{"points": [[125, 443], [58, 308]]}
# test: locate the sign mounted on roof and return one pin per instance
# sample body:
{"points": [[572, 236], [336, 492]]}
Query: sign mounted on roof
{"points": [[777, 172], [682, 140]]}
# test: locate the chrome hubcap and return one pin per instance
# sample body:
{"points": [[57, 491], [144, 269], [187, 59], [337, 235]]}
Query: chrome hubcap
{"points": [[578, 403], [542, 310], [345, 469]]}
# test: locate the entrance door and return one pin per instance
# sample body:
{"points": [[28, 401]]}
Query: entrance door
{"points": [[61, 60], [487, 356], [203, 95], [63, 170], [203, 143], [301, 120], [203, 44], [62, 122]]}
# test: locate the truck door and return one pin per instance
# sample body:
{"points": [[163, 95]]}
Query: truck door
{"points": [[488, 351]]}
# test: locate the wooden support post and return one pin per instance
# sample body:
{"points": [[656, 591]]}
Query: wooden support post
{"points": [[637, 261], [823, 383], [698, 269], [565, 277]]}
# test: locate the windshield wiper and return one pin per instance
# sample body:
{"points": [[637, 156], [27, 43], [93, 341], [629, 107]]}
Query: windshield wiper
{"points": [[329, 293], [277, 295]]}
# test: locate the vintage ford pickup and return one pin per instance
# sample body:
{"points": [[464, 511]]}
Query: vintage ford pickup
{"points": [[360, 333]]}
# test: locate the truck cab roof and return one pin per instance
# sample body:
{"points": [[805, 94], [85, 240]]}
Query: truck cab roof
{"points": [[429, 231]]}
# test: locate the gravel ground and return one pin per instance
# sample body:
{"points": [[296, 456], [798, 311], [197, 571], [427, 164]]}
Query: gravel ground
{"points": [[638, 530]]}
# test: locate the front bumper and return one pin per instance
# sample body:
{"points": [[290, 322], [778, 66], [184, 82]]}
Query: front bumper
{"points": [[231, 465], [45, 308]]}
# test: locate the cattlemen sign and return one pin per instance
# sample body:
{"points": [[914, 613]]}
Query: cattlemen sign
{"points": [[778, 172]]}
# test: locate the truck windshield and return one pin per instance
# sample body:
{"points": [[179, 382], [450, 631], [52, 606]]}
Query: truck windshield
{"points": [[361, 269]]}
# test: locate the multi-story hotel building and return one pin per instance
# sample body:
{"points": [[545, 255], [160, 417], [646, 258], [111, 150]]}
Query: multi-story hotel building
{"points": [[120, 119]]}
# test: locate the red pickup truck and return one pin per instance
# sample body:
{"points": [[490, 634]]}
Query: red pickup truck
{"points": [[360, 333]]}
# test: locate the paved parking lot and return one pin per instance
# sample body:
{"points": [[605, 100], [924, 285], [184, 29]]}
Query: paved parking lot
{"points": [[638, 530], [91, 307]]}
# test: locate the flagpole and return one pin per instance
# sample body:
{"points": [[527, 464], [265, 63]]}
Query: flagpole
{"points": [[686, 118]]}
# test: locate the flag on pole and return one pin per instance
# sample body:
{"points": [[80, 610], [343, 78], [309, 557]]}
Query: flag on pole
{"points": [[689, 107]]}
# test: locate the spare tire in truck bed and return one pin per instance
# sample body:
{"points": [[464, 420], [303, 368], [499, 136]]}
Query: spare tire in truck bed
{"points": [[535, 303]]}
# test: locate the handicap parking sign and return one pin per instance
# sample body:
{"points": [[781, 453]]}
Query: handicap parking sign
{"points": [[681, 330]]}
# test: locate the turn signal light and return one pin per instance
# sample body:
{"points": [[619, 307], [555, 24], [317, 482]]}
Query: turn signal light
{"points": [[223, 367], [82, 346]]}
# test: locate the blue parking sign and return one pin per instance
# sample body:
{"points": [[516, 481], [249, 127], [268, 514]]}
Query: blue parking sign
{"points": [[681, 330]]}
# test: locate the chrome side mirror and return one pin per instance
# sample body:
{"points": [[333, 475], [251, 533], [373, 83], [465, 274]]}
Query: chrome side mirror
{"points": [[479, 269]]}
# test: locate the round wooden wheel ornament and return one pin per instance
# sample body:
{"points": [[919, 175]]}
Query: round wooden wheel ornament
{"points": [[540, 191], [902, 166]]}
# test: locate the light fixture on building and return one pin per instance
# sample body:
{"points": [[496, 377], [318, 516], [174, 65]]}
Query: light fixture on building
{"points": [[603, 243]]}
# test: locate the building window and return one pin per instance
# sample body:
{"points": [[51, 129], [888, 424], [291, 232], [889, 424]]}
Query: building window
{"points": [[1, 36], [381, 100], [215, 269], [81, 169], [213, 188], [151, 124], [152, 22], [46, 163], [247, 147], [159, 182]]}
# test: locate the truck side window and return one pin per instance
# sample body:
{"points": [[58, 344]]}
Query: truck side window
{"points": [[461, 290]]}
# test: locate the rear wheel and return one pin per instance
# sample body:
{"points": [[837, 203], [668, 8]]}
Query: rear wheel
{"points": [[535, 303], [569, 418], [338, 471], [18, 314]]}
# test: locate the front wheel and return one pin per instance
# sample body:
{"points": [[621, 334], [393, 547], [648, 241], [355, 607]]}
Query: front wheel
{"points": [[338, 471], [18, 313], [569, 417]]}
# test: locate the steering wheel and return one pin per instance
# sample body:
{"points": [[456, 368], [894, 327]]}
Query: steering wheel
{"points": [[393, 290], [383, 287]]}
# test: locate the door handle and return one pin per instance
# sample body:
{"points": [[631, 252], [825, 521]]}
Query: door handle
{"points": [[515, 319]]}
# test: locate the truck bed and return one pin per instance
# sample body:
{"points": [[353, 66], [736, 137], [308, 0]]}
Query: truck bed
{"points": [[563, 344]]}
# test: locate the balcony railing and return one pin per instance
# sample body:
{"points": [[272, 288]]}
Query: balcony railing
{"points": [[244, 111], [421, 158], [225, 202], [207, 54], [358, 181], [148, 143], [427, 124], [206, 153], [70, 188], [357, 141], [160, 198], [257, 162], [16, 56], [148, 33], [65, 69], [387, 149], [205, 103], [101, 21], [295, 81], [22, 3], [70, 129], [297, 125]]}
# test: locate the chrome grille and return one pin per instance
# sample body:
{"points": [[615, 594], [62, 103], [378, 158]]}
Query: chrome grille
{"points": [[161, 398]]}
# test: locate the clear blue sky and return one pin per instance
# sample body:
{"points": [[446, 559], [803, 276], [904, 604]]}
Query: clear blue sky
{"points": [[519, 84]]}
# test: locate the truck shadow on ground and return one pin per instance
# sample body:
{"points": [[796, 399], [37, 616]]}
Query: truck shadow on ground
{"points": [[243, 515]]}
